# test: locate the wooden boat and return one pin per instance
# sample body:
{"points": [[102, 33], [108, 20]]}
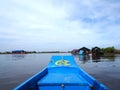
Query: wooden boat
{"points": [[62, 73]]}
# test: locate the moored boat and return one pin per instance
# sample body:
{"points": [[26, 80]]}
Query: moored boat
{"points": [[62, 73]]}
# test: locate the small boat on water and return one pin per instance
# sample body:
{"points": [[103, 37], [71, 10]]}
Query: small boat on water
{"points": [[62, 73]]}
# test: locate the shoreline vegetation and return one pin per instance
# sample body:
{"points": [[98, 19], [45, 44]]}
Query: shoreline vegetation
{"points": [[108, 51], [32, 52]]}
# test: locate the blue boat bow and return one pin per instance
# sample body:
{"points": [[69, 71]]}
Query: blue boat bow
{"points": [[62, 73]]}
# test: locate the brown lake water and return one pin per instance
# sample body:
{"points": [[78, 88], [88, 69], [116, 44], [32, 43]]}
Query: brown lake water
{"points": [[14, 69]]}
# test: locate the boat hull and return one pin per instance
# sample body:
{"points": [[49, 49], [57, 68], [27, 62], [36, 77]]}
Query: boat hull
{"points": [[62, 73]]}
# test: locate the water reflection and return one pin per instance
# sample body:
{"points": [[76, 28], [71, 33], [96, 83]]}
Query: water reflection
{"points": [[89, 57], [102, 58], [82, 58], [96, 58], [18, 56], [110, 58]]}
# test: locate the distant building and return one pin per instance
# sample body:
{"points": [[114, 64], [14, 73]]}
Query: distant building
{"points": [[81, 51], [97, 52], [75, 51], [84, 51], [18, 52]]}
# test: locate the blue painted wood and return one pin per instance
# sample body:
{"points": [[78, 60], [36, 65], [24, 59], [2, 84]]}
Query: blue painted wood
{"points": [[62, 73]]}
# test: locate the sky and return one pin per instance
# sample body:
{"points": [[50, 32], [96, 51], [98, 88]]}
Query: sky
{"points": [[51, 25]]}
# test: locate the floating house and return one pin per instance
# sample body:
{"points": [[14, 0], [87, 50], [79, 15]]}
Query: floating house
{"points": [[96, 52], [18, 52], [75, 51], [84, 51], [81, 51]]}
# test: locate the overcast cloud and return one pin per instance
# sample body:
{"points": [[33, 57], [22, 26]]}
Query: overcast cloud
{"points": [[45, 25]]}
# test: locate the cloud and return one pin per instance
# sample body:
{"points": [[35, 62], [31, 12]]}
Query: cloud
{"points": [[95, 12], [58, 24]]}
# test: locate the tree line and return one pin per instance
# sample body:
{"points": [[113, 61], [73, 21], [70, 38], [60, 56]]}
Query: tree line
{"points": [[110, 50]]}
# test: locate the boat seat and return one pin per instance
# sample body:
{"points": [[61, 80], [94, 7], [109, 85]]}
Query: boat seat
{"points": [[67, 79]]}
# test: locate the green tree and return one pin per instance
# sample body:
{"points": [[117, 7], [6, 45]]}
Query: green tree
{"points": [[108, 50]]}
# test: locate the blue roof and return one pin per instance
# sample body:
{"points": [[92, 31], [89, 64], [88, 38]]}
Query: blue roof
{"points": [[18, 51]]}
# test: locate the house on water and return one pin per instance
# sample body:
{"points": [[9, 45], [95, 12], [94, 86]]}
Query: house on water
{"points": [[19, 52], [96, 52], [81, 51], [84, 51]]}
